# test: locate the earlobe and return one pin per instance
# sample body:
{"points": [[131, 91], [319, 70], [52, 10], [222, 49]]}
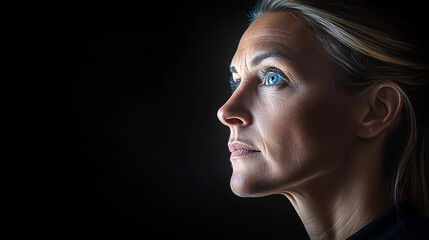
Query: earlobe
{"points": [[383, 106]]}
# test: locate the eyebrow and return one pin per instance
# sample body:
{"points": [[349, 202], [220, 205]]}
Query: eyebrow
{"points": [[258, 59]]}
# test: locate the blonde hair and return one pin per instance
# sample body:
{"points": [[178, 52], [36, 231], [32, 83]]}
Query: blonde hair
{"points": [[370, 48]]}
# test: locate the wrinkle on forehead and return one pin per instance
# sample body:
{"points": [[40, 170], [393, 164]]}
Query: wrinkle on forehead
{"points": [[282, 32], [267, 32], [282, 25], [246, 55]]}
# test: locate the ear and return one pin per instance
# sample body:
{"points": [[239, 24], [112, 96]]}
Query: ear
{"points": [[383, 107]]}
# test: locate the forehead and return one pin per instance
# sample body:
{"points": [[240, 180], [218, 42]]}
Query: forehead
{"points": [[278, 32]]}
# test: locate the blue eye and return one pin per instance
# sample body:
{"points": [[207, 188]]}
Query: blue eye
{"points": [[234, 84], [274, 78]]}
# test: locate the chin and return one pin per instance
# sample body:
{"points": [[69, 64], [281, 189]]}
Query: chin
{"points": [[244, 185]]}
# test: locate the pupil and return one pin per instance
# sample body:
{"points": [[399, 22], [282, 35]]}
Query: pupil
{"points": [[272, 78]]}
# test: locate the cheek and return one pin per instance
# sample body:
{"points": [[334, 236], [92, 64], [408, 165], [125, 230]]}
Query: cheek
{"points": [[300, 138], [306, 136], [328, 126]]}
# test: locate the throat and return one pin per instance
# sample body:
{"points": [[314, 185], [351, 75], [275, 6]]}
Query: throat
{"points": [[338, 212]]}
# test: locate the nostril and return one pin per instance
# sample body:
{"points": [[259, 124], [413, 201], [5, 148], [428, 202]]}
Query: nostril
{"points": [[234, 121], [230, 118]]}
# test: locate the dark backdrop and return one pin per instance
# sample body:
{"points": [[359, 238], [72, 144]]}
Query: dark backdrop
{"points": [[136, 136], [133, 134]]}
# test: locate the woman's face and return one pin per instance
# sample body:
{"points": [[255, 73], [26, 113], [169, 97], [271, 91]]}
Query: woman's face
{"points": [[289, 127]]}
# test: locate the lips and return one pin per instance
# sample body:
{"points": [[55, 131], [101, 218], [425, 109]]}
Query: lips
{"points": [[239, 149]]}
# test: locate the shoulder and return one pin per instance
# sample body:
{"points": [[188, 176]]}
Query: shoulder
{"points": [[417, 230], [399, 223]]}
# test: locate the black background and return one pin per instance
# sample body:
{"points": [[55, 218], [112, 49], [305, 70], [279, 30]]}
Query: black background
{"points": [[136, 136], [133, 134]]}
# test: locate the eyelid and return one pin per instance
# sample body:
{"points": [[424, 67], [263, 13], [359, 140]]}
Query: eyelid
{"points": [[235, 80], [234, 83], [236, 75], [263, 73]]}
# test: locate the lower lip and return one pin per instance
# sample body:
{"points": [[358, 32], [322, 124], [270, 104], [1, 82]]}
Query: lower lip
{"points": [[243, 153]]}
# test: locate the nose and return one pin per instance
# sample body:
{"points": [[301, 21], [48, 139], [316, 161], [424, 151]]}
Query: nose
{"points": [[235, 112]]}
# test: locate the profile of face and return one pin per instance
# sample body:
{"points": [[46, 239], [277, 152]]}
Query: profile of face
{"points": [[289, 127]]}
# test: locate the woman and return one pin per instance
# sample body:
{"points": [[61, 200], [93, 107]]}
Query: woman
{"points": [[327, 109]]}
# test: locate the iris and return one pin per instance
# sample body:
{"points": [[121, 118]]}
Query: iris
{"points": [[274, 78]]}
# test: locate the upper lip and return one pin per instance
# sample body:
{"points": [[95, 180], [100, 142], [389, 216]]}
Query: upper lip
{"points": [[234, 146]]}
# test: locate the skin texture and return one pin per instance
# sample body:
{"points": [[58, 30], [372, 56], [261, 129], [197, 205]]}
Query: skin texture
{"points": [[319, 149]]}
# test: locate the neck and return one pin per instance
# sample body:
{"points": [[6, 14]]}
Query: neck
{"points": [[339, 204]]}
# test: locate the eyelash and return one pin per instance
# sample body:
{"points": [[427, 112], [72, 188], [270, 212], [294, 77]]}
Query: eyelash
{"points": [[264, 73], [234, 84]]}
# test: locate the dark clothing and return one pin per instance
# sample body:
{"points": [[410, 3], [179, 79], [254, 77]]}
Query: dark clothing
{"points": [[409, 224]]}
